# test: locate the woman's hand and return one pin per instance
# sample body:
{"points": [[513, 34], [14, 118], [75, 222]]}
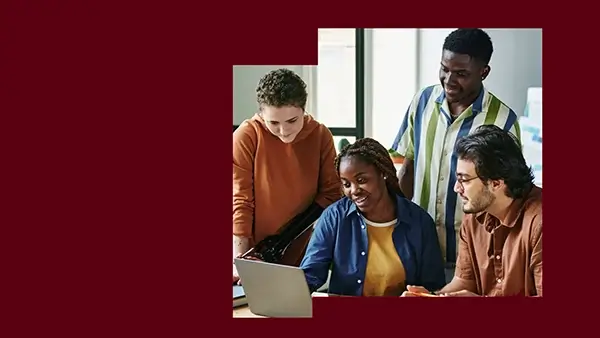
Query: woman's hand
{"points": [[236, 277]]}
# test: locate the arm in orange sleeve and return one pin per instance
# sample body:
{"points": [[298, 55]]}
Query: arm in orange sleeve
{"points": [[329, 182], [244, 146]]}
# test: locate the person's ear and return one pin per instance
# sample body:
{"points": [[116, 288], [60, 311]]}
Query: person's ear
{"points": [[485, 72], [496, 185]]}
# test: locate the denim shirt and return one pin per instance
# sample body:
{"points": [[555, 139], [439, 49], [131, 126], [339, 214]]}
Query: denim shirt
{"points": [[340, 239]]}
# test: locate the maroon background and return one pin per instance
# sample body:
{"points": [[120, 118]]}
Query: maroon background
{"points": [[116, 157]]}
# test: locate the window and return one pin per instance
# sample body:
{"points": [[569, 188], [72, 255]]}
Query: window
{"points": [[336, 78], [336, 86], [394, 80]]}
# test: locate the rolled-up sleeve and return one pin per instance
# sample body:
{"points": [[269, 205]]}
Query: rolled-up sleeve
{"points": [[464, 264], [432, 275], [319, 252], [404, 142]]}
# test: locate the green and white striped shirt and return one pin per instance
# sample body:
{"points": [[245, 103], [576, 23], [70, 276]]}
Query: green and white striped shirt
{"points": [[428, 136]]}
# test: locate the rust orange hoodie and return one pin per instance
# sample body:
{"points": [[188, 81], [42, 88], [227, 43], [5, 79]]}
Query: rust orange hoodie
{"points": [[274, 181]]}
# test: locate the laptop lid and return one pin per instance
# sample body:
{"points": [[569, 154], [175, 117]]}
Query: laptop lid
{"points": [[274, 290]]}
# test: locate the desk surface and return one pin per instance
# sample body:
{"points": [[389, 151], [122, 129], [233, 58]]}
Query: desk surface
{"points": [[244, 311]]}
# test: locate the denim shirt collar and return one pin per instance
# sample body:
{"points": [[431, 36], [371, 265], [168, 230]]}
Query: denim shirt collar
{"points": [[402, 210]]}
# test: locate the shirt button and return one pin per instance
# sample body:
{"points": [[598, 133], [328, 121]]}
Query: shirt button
{"points": [[359, 281], [499, 280], [362, 253], [362, 226], [439, 201], [498, 257], [442, 178]]}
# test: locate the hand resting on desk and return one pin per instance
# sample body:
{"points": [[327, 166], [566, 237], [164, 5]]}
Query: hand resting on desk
{"points": [[419, 291], [416, 291]]}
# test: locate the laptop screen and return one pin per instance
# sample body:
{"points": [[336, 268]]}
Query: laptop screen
{"points": [[238, 291]]}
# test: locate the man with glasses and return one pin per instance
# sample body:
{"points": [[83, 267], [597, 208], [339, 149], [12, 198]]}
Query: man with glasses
{"points": [[500, 241], [436, 118]]}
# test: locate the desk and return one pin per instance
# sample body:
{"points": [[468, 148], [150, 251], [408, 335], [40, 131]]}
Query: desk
{"points": [[244, 311]]}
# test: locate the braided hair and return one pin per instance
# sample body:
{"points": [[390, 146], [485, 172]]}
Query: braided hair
{"points": [[372, 152]]}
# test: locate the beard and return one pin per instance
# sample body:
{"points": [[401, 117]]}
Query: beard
{"points": [[479, 202]]}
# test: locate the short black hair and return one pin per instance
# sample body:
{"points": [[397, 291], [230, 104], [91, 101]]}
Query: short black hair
{"points": [[281, 87], [470, 41], [497, 154]]}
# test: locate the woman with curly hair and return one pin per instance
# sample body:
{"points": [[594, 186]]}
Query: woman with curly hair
{"points": [[374, 240]]}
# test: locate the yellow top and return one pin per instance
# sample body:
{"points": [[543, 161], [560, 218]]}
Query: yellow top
{"points": [[385, 275]]}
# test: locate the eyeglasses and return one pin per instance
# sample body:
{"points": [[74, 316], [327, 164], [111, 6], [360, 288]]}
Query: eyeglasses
{"points": [[461, 180]]}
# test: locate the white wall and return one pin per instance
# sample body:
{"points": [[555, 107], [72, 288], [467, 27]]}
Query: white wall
{"points": [[245, 80], [516, 62], [393, 78], [430, 45]]}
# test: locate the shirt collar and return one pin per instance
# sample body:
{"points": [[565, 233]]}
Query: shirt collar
{"points": [[515, 210], [476, 106], [401, 209]]}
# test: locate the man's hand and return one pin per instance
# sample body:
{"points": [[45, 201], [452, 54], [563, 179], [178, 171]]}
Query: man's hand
{"points": [[416, 291], [462, 293]]}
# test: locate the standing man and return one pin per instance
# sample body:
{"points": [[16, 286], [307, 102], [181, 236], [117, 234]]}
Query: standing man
{"points": [[439, 115]]}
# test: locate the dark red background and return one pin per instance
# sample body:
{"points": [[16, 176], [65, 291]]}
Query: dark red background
{"points": [[116, 158]]}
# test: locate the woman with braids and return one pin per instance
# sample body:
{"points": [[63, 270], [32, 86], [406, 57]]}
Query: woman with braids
{"points": [[283, 173], [374, 239]]}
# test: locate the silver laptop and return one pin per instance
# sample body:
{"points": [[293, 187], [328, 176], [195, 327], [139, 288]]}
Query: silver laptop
{"points": [[274, 290]]}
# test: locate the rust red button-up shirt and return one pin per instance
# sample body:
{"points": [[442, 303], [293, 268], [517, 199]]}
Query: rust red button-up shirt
{"points": [[504, 257]]}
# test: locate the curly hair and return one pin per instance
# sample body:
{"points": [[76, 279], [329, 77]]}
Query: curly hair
{"points": [[497, 154], [281, 87], [372, 152], [470, 41]]}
